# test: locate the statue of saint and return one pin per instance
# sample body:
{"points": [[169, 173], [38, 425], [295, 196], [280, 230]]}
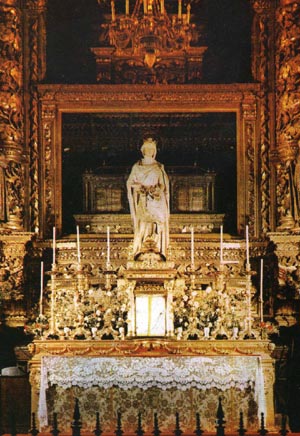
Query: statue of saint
{"points": [[148, 195]]}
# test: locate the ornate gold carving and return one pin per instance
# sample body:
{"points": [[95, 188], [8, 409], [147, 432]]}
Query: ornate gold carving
{"points": [[150, 347], [33, 124], [264, 125], [251, 185], [287, 61], [12, 286], [48, 175], [262, 70], [11, 116], [188, 94], [150, 47], [15, 194], [285, 292], [288, 107], [35, 67]]}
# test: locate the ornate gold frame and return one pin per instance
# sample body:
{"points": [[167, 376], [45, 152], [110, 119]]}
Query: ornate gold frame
{"points": [[241, 99]]}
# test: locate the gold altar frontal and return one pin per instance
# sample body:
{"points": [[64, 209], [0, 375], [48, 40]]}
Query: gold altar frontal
{"points": [[60, 372]]}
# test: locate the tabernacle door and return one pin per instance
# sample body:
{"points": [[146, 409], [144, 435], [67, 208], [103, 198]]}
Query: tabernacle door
{"points": [[150, 315]]}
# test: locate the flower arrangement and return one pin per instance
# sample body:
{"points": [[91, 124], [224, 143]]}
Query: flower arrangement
{"points": [[37, 326], [209, 313], [267, 329], [93, 313]]}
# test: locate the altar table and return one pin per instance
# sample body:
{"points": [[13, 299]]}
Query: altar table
{"points": [[169, 381]]}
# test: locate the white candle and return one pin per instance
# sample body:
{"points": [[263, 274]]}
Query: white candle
{"points": [[108, 246], [221, 244], [179, 9], [192, 249], [42, 288], [162, 7], [113, 11], [78, 245], [127, 7], [247, 246], [261, 290], [188, 15], [54, 245]]}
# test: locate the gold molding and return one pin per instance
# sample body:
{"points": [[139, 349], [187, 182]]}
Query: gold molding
{"points": [[150, 347]]}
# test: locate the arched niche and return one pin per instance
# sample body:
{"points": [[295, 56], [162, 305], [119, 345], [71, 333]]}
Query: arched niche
{"points": [[239, 99]]}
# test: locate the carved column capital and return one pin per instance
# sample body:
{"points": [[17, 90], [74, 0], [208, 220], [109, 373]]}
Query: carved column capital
{"points": [[35, 4], [9, 3], [288, 2], [262, 6]]}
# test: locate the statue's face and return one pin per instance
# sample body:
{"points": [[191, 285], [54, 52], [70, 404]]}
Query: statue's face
{"points": [[149, 149]]}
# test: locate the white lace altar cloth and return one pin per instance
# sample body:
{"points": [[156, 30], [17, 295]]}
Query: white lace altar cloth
{"points": [[183, 373]]}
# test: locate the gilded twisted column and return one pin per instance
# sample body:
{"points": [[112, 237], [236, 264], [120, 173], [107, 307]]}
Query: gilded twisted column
{"points": [[35, 61], [11, 117], [288, 113], [263, 72]]}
